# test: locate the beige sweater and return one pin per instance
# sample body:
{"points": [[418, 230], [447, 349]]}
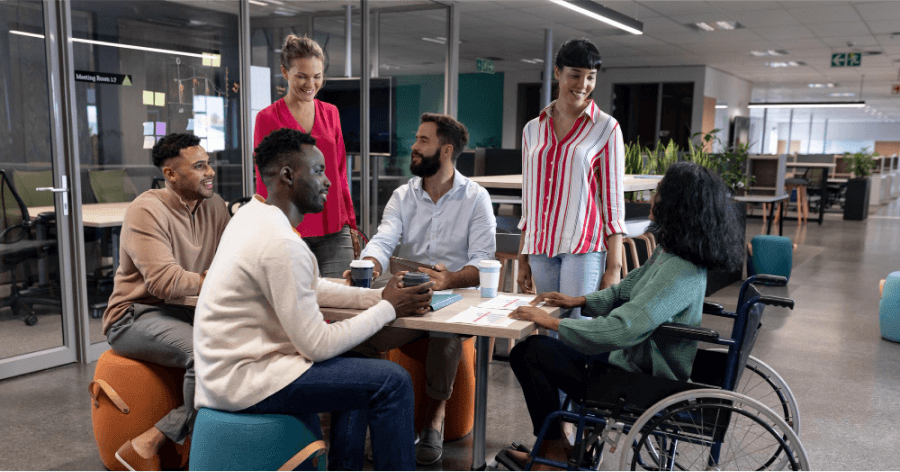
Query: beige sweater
{"points": [[165, 246], [258, 326]]}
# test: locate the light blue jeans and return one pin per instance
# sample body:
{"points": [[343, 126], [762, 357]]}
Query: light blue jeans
{"points": [[575, 275]]}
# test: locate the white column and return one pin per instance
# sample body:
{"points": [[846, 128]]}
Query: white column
{"points": [[547, 85], [451, 71], [348, 29]]}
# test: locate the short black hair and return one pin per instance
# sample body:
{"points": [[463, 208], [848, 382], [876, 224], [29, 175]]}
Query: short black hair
{"points": [[695, 218], [579, 53], [449, 131], [170, 146], [279, 146]]}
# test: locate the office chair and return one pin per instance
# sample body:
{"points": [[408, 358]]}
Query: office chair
{"points": [[112, 186], [18, 245]]}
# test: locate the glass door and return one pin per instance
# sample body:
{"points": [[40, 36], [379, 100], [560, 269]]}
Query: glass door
{"points": [[37, 328]]}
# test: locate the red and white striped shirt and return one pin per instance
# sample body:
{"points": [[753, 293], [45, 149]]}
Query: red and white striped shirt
{"points": [[572, 190]]}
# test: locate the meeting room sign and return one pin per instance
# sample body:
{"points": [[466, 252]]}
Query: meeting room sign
{"points": [[102, 78]]}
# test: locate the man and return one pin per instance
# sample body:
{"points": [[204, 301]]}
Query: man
{"points": [[443, 219], [262, 343], [169, 238]]}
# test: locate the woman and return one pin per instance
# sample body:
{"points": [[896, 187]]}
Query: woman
{"points": [[327, 233], [573, 200], [693, 220]]}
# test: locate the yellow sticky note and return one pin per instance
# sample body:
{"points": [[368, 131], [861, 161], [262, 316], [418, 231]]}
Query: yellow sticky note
{"points": [[160, 99], [148, 97]]}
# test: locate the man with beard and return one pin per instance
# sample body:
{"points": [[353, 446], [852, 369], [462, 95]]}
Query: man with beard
{"points": [[443, 219]]}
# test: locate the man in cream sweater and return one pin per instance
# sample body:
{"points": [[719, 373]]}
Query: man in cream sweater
{"points": [[261, 343]]}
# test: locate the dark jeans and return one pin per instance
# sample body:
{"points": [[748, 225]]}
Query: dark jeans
{"points": [[342, 386], [544, 366], [333, 252]]}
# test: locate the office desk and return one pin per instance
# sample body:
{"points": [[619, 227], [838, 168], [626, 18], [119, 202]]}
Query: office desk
{"points": [[632, 183], [98, 215], [437, 321], [772, 199]]}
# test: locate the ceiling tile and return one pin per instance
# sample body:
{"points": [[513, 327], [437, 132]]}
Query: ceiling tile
{"points": [[678, 8], [794, 32], [664, 25], [851, 42], [765, 18], [834, 30], [745, 6], [632, 9], [879, 11], [833, 13]]}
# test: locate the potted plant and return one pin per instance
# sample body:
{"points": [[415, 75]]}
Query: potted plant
{"points": [[859, 186]]}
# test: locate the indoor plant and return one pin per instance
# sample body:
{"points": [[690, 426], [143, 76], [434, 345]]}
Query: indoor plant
{"points": [[856, 200]]}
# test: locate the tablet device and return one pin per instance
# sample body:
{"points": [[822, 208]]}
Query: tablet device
{"points": [[399, 263]]}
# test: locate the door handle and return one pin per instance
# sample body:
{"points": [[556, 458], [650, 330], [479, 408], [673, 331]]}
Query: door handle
{"points": [[64, 190]]}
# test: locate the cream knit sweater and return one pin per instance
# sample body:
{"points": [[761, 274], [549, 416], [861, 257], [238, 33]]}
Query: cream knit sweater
{"points": [[258, 327]]}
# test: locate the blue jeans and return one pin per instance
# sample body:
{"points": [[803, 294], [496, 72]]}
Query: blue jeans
{"points": [[575, 275], [344, 386]]}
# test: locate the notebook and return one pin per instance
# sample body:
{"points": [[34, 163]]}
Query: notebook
{"points": [[439, 301]]}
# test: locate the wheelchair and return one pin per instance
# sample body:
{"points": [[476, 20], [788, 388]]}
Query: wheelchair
{"points": [[711, 422]]}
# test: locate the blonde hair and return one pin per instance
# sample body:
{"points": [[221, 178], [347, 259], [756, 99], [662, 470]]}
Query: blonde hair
{"points": [[296, 47]]}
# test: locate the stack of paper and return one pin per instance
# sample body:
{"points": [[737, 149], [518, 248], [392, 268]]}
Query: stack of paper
{"points": [[493, 312]]}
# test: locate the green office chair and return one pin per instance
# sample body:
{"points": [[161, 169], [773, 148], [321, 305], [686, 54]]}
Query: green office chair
{"points": [[27, 181], [112, 186]]}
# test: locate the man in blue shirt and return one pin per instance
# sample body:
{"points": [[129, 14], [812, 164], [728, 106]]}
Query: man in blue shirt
{"points": [[443, 219]]}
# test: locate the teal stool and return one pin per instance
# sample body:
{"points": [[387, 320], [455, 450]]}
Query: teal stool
{"points": [[770, 255], [236, 441], [889, 309]]}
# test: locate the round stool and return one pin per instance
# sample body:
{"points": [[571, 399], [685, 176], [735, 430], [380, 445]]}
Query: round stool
{"points": [[127, 398], [460, 412], [237, 441], [889, 308]]}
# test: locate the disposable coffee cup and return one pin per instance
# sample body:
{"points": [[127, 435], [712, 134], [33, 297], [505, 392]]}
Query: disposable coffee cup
{"points": [[361, 273], [411, 279], [489, 272]]}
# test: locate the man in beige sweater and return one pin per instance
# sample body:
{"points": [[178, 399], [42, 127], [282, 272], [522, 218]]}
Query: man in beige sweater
{"points": [[262, 345], [169, 238]]}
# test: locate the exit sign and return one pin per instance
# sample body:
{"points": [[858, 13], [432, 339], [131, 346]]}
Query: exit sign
{"points": [[484, 65], [846, 59]]}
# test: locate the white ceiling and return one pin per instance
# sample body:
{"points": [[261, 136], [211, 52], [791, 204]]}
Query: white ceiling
{"points": [[511, 30]]}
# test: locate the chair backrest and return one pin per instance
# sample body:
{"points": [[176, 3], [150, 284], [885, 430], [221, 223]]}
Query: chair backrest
{"points": [[842, 166], [815, 178], [13, 209], [111, 186], [465, 163], [27, 181], [745, 331]]}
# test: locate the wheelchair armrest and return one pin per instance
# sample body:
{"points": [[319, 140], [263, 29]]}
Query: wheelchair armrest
{"points": [[775, 280], [710, 308], [776, 301], [678, 330]]}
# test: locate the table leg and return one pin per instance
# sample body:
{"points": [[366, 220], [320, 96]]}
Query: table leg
{"points": [[482, 344], [781, 217], [771, 215], [114, 239], [44, 263]]}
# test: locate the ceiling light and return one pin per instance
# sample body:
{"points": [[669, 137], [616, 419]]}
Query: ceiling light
{"points": [[603, 14], [435, 40], [828, 85], [704, 26], [842, 94], [808, 105], [721, 106], [254, 2], [726, 25], [770, 52], [785, 64], [205, 55]]}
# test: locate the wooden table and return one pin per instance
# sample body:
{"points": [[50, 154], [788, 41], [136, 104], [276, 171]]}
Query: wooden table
{"points": [[436, 321], [772, 199], [98, 215]]}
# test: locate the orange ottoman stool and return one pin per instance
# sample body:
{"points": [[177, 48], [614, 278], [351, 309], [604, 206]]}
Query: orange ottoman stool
{"points": [[460, 412], [127, 398]]}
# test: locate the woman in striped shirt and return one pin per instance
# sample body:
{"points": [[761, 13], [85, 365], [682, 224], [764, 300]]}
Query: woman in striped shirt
{"points": [[573, 167]]}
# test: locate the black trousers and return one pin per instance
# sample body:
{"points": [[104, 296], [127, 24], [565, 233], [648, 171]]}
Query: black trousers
{"points": [[544, 366]]}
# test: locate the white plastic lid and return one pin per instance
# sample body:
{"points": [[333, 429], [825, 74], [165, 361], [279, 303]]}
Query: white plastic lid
{"points": [[362, 264], [489, 264]]}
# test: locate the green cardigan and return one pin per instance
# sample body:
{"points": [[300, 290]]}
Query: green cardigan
{"points": [[666, 289]]}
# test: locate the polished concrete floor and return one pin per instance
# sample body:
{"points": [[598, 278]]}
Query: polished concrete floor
{"points": [[828, 349]]}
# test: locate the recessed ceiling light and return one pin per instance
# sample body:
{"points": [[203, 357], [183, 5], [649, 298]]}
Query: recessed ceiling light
{"points": [[842, 94], [828, 85], [726, 25], [785, 64], [770, 52], [704, 26], [715, 25], [721, 106], [435, 40]]}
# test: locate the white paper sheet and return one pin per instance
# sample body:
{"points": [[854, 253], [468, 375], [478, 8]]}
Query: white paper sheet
{"points": [[507, 302], [484, 317]]}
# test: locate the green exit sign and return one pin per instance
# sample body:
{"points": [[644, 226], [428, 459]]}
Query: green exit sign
{"points": [[484, 65], [846, 59]]}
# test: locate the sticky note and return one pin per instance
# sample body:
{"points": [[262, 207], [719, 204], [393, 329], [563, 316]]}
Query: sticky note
{"points": [[149, 141], [190, 126], [200, 131], [148, 97], [203, 143], [148, 128], [159, 99], [160, 128]]}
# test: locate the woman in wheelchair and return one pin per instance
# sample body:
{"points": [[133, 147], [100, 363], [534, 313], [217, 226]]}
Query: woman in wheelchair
{"points": [[695, 224]]}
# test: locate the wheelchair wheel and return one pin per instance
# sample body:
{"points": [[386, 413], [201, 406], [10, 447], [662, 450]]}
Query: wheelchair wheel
{"points": [[712, 429], [760, 382]]}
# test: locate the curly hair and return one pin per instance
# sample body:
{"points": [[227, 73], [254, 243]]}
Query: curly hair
{"points": [[579, 53], [279, 146], [694, 218], [449, 131], [170, 146], [295, 47]]}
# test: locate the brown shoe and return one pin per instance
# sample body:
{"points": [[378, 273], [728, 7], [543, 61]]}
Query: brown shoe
{"points": [[128, 457]]}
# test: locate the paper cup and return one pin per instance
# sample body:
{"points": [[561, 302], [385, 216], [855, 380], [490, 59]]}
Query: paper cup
{"points": [[489, 273], [361, 273]]}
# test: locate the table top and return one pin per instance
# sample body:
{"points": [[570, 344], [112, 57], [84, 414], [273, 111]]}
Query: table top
{"points": [[761, 198], [815, 165], [437, 320], [94, 215], [632, 183]]}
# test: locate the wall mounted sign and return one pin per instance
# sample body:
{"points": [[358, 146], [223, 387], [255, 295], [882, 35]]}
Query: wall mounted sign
{"points": [[484, 65], [102, 78], [846, 59]]}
